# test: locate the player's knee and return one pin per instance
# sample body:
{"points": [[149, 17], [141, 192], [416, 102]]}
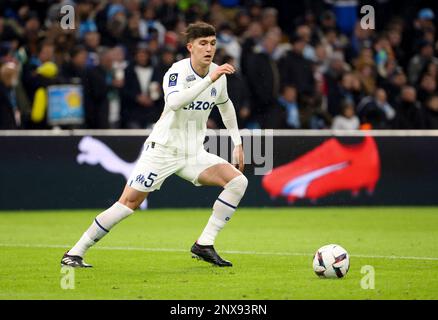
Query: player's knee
{"points": [[131, 202], [132, 198], [237, 185]]}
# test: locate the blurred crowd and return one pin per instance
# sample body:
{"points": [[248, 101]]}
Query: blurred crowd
{"points": [[301, 64]]}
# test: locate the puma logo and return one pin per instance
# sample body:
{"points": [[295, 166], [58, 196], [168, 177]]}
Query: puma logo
{"points": [[95, 152], [298, 186]]}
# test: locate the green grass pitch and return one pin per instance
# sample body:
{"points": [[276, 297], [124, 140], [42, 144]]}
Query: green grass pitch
{"points": [[147, 255]]}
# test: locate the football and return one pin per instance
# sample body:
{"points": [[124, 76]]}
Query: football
{"points": [[331, 261]]}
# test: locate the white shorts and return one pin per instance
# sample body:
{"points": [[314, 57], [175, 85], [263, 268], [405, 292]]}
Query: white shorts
{"points": [[158, 162]]}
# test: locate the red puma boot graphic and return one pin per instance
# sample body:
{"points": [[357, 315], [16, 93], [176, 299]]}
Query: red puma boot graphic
{"points": [[328, 168]]}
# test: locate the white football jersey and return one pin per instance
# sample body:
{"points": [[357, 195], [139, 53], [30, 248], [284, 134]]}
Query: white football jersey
{"points": [[186, 128]]}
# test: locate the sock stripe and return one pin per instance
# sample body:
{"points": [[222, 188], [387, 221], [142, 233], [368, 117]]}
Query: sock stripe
{"points": [[226, 203], [97, 222]]}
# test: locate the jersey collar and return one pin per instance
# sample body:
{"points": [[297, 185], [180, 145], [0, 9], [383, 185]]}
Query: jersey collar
{"points": [[202, 77]]}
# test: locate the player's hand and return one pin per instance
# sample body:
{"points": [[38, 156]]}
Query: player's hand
{"points": [[239, 158], [226, 68], [144, 100], [118, 83]]}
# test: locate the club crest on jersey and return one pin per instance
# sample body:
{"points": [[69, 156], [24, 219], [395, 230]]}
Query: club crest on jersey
{"points": [[191, 78], [213, 92], [173, 79], [140, 178]]}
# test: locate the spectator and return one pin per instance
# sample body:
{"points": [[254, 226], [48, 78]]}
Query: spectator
{"points": [[63, 41], [84, 11], [375, 111], [333, 74], [395, 40], [366, 56], [314, 114], [304, 32], [347, 120], [327, 21], [361, 38], [242, 22], [74, 71], [348, 88], [92, 44], [116, 21], [132, 34], [168, 13], [366, 74], [287, 115], [216, 14], [227, 41], [251, 38], [430, 113], [39, 73], [32, 80], [238, 93], [295, 69], [394, 84], [32, 34], [7, 32], [133, 5], [138, 107], [98, 86], [118, 79], [263, 79], [150, 27], [269, 19], [420, 60], [255, 10], [424, 21], [426, 88], [333, 42], [9, 113], [167, 58], [331, 59], [408, 110], [432, 70], [383, 54]]}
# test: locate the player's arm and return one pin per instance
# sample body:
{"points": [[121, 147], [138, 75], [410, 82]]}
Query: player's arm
{"points": [[229, 118], [180, 97]]}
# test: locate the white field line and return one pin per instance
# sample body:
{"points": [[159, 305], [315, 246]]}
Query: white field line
{"points": [[12, 245]]}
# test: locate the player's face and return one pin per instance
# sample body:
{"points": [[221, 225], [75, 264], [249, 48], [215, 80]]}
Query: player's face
{"points": [[202, 50]]}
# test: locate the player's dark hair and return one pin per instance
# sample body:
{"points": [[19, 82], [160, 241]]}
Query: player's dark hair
{"points": [[199, 30]]}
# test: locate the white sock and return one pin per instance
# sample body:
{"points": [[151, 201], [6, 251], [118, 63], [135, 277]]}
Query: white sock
{"points": [[103, 223], [81, 246], [223, 209]]}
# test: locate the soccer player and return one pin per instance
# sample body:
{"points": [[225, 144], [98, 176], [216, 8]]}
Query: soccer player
{"points": [[192, 87]]}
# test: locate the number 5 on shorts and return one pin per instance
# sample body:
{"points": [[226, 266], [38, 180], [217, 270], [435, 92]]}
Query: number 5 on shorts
{"points": [[150, 180]]}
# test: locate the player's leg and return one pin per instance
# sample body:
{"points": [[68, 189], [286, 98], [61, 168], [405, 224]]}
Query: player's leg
{"points": [[234, 184], [212, 170], [103, 223], [153, 167]]}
